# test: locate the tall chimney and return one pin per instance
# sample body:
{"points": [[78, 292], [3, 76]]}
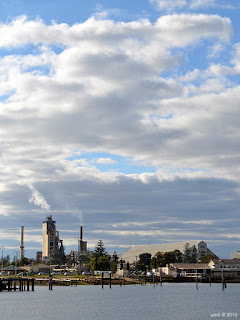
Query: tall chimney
{"points": [[22, 246], [81, 233]]}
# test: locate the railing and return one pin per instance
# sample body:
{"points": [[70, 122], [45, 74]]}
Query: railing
{"points": [[192, 275]]}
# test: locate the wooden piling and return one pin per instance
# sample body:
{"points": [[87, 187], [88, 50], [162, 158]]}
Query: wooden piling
{"points": [[223, 286], [196, 281], [32, 284], [27, 284], [102, 280], [50, 282]]}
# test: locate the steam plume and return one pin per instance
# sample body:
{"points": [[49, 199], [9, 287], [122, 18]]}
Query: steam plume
{"points": [[38, 199]]}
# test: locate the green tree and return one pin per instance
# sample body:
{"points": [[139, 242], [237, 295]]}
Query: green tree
{"points": [[100, 251], [157, 260], [115, 256], [141, 267], [187, 253], [100, 263], [162, 259], [178, 256], [113, 266], [6, 260], [145, 258], [144, 261], [193, 258], [208, 257], [169, 257], [23, 262]]}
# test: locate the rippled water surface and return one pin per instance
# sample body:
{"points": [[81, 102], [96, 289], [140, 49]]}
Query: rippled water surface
{"points": [[171, 301]]}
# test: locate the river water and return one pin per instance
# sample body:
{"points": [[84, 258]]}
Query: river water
{"points": [[174, 301]]}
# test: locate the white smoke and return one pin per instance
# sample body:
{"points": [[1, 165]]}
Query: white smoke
{"points": [[38, 199]]}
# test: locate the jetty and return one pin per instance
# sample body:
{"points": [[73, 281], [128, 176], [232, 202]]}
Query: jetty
{"points": [[14, 284]]}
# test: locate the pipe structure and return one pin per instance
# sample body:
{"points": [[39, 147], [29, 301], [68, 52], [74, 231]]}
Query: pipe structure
{"points": [[22, 246], [81, 233]]}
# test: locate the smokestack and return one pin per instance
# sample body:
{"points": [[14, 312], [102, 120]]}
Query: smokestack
{"points": [[22, 246], [81, 233]]}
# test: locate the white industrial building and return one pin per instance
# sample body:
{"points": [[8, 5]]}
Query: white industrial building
{"points": [[133, 254], [52, 246], [235, 255]]}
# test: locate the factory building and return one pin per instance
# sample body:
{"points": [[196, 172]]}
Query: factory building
{"points": [[235, 255], [133, 254], [52, 246]]}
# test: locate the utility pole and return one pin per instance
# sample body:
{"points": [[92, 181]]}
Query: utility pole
{"points": [[16, 256], [2, 262]]}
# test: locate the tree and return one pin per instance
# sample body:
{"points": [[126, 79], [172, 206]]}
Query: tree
{"points": [[157, 260], [187, 253], [208, 257], [100, 263], [178, 256], [169, 257], [193, 258], [6, 260], [23, 262], [141, 267], [115, 256], [144, 261], [101, 260], [113, 266], [162, 259], [121, 264], [100, 251]]}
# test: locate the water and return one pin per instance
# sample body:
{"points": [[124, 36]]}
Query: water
{"points": [[173, 301]]}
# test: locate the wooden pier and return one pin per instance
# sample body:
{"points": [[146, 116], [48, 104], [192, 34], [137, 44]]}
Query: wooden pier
{"points": [[14, 284]]}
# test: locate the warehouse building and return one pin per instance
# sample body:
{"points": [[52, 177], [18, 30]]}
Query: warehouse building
{"points": [[133, 254]]}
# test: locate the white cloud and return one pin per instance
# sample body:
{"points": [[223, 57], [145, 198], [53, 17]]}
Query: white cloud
{"points": [[104, 92], [171, 5], [215, 50]]}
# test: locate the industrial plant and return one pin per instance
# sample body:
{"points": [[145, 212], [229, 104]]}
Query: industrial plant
{"points": [[185, 259]]}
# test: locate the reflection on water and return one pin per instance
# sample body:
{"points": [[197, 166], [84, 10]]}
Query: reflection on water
{"points": [[181, 301]]}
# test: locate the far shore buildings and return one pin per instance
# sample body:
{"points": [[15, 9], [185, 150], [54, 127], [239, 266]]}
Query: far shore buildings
{"points": [[216, 268], [133, 254]]}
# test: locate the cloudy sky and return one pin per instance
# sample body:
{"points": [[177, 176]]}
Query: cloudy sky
{"points": [[123, 117]]}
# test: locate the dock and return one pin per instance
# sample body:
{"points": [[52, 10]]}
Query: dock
{"points": [[17, 284]]}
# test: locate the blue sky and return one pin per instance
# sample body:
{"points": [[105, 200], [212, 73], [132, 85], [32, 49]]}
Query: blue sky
{"points": [[122, 116]]}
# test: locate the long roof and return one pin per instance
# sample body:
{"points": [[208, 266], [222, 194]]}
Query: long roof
{"points": [[190, 265], [135, 251]]}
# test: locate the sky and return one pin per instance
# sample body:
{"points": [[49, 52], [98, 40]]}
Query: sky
{"points": [[123, 117]]}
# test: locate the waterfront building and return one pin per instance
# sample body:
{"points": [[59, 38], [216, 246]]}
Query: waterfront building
{"points": [[52, 246], [185, 269], [225, 264], [11, 270], [200, 246], [216, 268], [229, 268]]}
